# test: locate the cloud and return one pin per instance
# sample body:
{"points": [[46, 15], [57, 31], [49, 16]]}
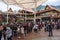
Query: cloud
{"points": [[14, 7], [52, 2], [3, 7]]}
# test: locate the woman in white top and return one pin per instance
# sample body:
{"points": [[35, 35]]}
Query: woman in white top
{"points": [[22, 32]]}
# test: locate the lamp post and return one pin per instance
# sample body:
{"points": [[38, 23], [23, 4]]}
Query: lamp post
{"points": [[7, 18], [7, 13], [35, 12], [24, 16]]}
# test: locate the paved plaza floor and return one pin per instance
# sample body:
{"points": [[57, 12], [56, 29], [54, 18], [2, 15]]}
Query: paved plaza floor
{"points": [[42, 35], [47, 38]]}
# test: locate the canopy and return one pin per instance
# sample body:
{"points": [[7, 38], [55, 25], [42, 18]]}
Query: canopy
{"points": [[24, 3]]}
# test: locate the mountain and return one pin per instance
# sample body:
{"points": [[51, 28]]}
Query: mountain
{"points": [[57, 7], [39, 8], [43, 7]]}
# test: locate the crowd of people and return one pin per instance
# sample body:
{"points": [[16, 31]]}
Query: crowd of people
{"points": [[22, 29]]}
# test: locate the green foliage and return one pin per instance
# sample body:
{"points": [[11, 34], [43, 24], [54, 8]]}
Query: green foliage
{"points": [[30, 16], [0, 23], [9, 20], [19, 20]]}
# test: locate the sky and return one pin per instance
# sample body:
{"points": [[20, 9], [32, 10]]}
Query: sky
{"points": [[3, 6], [52, 2]]}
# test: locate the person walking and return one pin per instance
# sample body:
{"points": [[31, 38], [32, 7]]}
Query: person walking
{"points": [[50, 29], [22, 32]]}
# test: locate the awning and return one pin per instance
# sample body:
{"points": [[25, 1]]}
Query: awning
{"points": [[24, 3]]}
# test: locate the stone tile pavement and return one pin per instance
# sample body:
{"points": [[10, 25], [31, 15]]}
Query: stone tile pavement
{"points": [[41, 36], [47, 38]]}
